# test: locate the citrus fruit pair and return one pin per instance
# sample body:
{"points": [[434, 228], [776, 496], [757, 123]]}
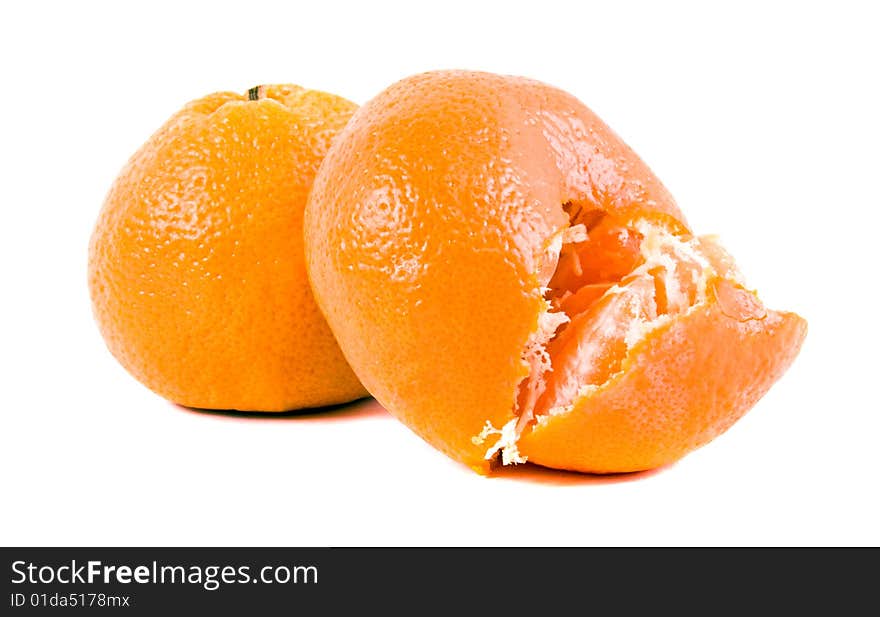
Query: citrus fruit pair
{"points": [[500, 270]]}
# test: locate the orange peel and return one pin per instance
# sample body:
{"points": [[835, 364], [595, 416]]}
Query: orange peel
{"points": [[508, 278]]}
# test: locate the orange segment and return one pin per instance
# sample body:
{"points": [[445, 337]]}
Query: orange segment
{"points": [[602, 344]]}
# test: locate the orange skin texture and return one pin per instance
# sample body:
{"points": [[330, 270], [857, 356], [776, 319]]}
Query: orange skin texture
{"points": [[196, 264], [423, 231]]}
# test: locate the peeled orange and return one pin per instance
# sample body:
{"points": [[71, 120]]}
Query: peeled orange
{"points": [[510, 280]]}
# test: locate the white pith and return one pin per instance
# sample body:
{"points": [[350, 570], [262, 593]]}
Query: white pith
{"points": [[661, 252]]}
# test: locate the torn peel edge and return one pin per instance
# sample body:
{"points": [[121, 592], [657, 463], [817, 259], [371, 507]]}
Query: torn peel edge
{"points": [[580, 346], [505, 446], [535, 358]]}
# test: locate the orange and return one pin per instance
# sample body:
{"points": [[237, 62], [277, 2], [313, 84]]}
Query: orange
{"points": [[196, 265], [510, 280]]}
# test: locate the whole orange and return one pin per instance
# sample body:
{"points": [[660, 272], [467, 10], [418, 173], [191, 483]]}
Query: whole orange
{"points": [[509, 279], [196, 266]]}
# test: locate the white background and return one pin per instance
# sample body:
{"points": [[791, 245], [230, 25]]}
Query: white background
{"points": [[761, 118]]}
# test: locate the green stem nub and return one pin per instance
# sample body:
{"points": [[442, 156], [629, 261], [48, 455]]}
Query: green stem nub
{"points": [[254, 93]]}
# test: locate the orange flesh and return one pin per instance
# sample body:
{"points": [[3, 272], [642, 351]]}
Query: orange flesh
{"points": [[612, 297]]}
